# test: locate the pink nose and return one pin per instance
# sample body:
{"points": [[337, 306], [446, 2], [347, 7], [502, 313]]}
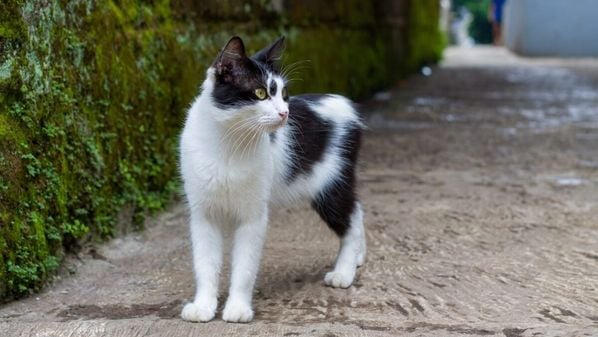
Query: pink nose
{"points": [[283, 114]]}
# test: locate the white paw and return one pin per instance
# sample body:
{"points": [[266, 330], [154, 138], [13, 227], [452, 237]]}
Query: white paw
{"points": [[362, 253], [360, 259], [199, 312], [237, 311], [338, 279]]}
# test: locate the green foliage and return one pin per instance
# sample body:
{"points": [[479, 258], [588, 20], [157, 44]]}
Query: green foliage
{"points": [[90, 114], [93, 95], [480, 28], [322, 68], [425, 41]]}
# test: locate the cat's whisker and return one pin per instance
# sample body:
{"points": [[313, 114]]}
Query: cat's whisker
{"points": [[232, 130], [293, 73], [239, 125], [248, 143], [253, 145], [294, 64], [240, 141], [248, 133], [239, 128], [290, 70], [294, 125], [254, 140], [235, 136]]}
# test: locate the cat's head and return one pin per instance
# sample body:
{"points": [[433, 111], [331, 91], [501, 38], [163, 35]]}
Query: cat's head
{"points": [[250, 88]]}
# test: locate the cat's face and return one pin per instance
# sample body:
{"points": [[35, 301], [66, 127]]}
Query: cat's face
{"points": [[250, 90]]}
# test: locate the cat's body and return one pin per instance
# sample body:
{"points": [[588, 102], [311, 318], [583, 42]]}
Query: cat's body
{"points": [[244, 151]]}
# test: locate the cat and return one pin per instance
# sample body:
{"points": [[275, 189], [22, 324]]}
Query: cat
{"points": [[246, 146]]}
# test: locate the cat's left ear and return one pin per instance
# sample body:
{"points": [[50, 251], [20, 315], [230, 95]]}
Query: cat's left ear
{"points": [[271, 54]]}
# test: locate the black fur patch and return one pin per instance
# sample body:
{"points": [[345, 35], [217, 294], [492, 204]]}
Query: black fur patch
{"points": [[311, 136], [336, 202], [309, 133], [270, 55], [272, 88]]}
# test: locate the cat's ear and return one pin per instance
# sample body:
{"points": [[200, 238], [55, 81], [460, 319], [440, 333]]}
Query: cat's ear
{"points": [[271, 54], [232, 56]]}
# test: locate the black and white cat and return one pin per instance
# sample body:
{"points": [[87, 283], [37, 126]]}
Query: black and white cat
{"points": [[247, 146]]}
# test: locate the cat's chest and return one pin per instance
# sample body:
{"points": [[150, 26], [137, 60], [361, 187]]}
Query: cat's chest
{"points": [[229, 180]]}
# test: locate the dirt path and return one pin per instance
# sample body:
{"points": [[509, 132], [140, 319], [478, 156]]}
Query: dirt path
{"points": [[480, 185]]}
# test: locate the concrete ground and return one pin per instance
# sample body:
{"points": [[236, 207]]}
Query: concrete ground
{"points": [[480, 186]]}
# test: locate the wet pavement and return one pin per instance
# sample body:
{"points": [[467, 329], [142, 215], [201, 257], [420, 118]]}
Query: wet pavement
{"points": [[480, 187]]}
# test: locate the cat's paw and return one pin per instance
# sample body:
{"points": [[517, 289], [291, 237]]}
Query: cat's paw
{"points": [[360, 259], [199, 312], [237, 311], [362, 252], [337, 279]]}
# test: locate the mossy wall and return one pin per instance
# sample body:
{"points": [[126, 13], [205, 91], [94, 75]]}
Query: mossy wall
{"points": [[93, 95], [425, 42]]}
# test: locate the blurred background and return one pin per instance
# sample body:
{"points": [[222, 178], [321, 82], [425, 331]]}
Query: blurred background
{"points": [[526, 27]]}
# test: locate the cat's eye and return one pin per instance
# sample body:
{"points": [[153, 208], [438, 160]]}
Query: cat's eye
{"points": [[285, 94], [260, 93]]}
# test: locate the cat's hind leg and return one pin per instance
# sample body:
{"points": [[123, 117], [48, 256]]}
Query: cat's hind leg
{"points": [[344, 215], [357, 222]]}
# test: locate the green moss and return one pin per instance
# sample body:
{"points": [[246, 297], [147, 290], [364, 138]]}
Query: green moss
{"points": [[327, 63], [85, 133], [425, 41], [6, 128], [93, 95]]}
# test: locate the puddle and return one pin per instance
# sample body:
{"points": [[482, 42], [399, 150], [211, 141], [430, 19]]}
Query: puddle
{"points": [[592, 164], [452, 118], [540, 119], [383, 96], [429, 101], [567, 181], [508, 132]]}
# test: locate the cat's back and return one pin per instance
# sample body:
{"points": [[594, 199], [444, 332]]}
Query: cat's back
{"points": [[322, 109], [320, 140]]}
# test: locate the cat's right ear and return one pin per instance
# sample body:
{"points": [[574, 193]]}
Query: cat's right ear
{"points": [[231, 56], [271, 54]]}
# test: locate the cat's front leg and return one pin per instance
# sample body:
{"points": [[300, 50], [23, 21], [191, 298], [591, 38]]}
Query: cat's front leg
{"points": [[207, 260], [246, 254]]}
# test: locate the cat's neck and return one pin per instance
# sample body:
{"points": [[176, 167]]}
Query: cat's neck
{"points": [[240, 143]]}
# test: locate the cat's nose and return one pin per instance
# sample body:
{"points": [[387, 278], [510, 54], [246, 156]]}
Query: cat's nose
{"points": [[283, 114]]}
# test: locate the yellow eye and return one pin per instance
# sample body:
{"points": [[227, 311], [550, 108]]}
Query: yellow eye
{"points": [[260, 93]]}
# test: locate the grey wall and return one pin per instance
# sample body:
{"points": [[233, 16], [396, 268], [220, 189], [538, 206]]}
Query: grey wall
{"points": [[552, 27]]}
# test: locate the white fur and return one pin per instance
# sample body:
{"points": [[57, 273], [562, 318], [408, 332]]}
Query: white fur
{"points": [[351, 253], [232, 174]]}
